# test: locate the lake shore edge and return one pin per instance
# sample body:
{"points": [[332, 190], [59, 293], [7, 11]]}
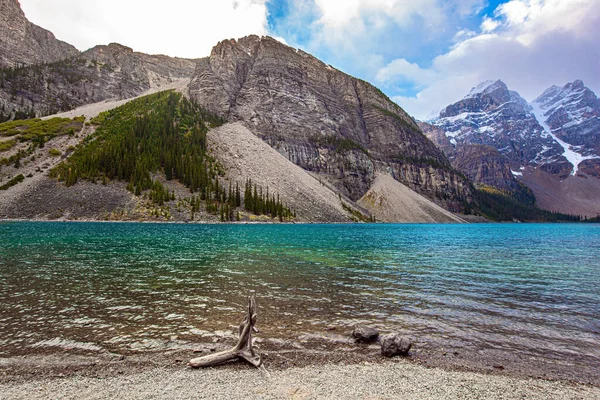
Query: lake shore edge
{"points": [[388, 378]]}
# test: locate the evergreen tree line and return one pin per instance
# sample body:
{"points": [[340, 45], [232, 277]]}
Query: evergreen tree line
{"points": [[164, 132], [502, 207], [261, 203]]}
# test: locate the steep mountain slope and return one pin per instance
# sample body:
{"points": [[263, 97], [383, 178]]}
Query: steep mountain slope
{"points": [[571, 114], [101, 73], [23, 43], [244, 156], [390, 201], [495, 116], [485, 165], [321, 119], [81, 153], [42, 76], [480, 163], [550, 145]]}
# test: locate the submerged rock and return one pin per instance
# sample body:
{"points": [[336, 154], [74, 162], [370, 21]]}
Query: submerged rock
{"points": [[365, 334], [395, 345]]}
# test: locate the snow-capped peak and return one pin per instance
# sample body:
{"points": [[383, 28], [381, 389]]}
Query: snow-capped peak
{"points": [[485, 87]]}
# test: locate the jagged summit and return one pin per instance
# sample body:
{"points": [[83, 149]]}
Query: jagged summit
{"points": [[325, 121], [571, 114], [486, 87], [24, 43], [495, 116]]}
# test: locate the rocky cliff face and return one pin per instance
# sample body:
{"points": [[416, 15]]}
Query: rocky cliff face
{"points": [[23, 43], [323, 120], [552, 145], [572, 115], [480, 163], [43, 76], [495, 116], [485, 164], [101, 73]]}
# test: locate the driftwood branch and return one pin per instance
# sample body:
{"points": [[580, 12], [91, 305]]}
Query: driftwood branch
{"points": [[243, 349]]}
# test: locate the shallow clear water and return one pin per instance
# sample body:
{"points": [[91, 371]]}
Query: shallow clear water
{"points": [[533, 289]]}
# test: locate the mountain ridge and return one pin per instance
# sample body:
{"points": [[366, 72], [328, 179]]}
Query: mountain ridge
{"points": [[557, 133], [24, 43], [323, 120]]}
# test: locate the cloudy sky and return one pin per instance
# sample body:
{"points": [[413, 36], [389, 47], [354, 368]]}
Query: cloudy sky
{"points": [[425, 54]]}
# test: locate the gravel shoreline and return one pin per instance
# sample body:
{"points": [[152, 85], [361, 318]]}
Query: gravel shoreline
{"points": [[397, 379]]}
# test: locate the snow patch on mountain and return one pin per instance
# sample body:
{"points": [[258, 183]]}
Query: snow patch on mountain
{"points": [[569, 153], [479, 89]]}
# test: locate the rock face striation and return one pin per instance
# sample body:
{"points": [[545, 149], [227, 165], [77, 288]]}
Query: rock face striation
{"points": [[327, 122], [485, 164], [24, 43], [549, 144], [98, 74], [495, 116], [572, 115]]}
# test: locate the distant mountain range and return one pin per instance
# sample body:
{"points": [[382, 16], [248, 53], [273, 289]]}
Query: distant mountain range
{"points": [[551, 144]]}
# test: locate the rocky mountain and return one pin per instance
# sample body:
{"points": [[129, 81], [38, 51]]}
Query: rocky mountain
{"points": [[495, 116], [329, 123], [546, 144], [24, 43], [98, 74], [571, 115], [480, 163], [43, 76]]}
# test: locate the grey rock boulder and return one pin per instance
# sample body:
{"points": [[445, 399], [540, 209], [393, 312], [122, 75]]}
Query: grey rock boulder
{"points": [[365, 334], [395, 345]]}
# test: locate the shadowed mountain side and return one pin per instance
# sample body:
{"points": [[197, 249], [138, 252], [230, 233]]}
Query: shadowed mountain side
{"points": [[246, 156], [391, 201], [321, 119], [578, 195]]}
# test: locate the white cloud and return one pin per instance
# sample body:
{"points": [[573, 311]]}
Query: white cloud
{"points": [[541, 43], [184, 28], [409, 71], [489, 24]]}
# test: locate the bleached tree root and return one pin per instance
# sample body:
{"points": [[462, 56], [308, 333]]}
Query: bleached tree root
{"points": [[244, 348]]}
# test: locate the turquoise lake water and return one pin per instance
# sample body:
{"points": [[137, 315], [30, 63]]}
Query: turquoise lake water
{"points": [[530, 289]]}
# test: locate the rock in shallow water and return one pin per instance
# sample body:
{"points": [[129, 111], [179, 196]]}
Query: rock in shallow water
{"points": [[365, 334], [395, 345]]}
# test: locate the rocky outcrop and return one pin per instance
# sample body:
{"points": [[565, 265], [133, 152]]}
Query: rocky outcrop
{"points": [[571, 114], [438, 137], [23, 43], [101, 73], [495, 116], [485, 165], [323, 120]]}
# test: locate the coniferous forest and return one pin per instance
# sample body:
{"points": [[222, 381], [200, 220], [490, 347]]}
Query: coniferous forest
{"points": [[163, 133]]}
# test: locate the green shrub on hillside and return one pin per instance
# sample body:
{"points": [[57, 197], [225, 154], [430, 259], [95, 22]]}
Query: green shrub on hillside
{"points": [[164, 132]]}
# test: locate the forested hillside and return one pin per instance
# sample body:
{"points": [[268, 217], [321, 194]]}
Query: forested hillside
{"points": [[164, 133]]}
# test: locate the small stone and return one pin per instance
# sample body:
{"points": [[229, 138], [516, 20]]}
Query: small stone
{"points": [[395, 345], [365, 334], [330, 328]]}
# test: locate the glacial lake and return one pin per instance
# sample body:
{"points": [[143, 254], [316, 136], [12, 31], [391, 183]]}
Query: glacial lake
{"points": [[526, 289]]}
